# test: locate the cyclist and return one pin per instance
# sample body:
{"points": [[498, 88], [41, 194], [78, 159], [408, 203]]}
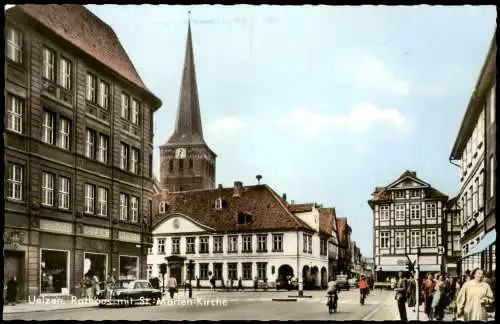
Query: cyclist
{"points": [[363, 288], [332, 291]]}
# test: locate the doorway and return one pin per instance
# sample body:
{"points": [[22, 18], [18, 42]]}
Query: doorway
{"points": [[14, 267]]}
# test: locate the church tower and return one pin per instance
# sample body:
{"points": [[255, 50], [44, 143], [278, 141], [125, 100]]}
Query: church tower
{"points": [[186, 161]]}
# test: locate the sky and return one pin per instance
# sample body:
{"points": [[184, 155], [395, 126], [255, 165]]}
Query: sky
{"points": [[324, 102]]}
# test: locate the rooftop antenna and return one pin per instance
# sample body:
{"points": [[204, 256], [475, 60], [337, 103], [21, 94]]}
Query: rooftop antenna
{"points": [[258, 177]]}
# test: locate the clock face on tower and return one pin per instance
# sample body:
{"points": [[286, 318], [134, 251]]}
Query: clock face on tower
{"points": [[180, 153]]}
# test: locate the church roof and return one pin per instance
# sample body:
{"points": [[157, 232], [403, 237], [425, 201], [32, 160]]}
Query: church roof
{"points": [[80, 27], [188, 127]]}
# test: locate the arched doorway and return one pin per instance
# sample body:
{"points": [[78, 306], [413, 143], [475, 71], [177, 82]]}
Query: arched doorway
{"points": [[315, 280], [284, 271], [324, 279], [306, 274]]}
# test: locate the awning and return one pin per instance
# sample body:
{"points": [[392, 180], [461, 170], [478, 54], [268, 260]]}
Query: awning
{"points": [[485, 242]]}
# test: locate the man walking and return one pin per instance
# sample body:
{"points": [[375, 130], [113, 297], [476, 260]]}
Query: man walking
{"points": [[401, 288], [172, 286]]}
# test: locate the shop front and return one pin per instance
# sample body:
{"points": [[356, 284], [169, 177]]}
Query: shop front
{"points": [[129, 267], [95, 264], [54, 271]]}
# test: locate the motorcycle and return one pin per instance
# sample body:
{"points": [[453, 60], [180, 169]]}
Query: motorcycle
{"points": [[332, 303]]}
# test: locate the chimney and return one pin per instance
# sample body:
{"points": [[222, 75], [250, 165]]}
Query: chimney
{"points": [[414, 174], [284, 197], [238, 189], [220, 186]]}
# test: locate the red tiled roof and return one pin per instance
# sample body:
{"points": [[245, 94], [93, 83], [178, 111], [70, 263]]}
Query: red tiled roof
{"points": [[301, 208], [266, 208], [326, 219], [80, 27], [341, 224]]}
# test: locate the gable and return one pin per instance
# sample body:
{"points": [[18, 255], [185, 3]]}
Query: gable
{"points": [[178, 223], [408, 182]]}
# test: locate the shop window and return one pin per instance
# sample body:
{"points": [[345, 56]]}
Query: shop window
{"points": [[95, 264], [54, 272], [129, 267]]}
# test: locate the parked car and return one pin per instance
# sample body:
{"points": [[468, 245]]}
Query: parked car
{"points": [[127, 292], [353, 283], [342, 282]]}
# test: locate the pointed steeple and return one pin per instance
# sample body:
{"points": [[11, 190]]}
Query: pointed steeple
{"points": [[188, 129]]}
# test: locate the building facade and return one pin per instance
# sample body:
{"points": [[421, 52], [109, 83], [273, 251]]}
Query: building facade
{"points": [[407, 216], [344, 262], [186, 161], [474, 150], [246, 232], [453, 250], [78, 152]]}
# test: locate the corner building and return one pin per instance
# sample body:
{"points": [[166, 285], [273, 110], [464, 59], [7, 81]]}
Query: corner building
{"points": [[78, 152]]}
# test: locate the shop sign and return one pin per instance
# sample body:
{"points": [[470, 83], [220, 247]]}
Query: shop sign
{"points": [[129, 237], [96, 231], [53, 226]]}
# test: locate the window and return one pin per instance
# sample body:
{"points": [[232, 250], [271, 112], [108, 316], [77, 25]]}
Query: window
{"points": [[232, 271], [415, 193], [415, 239], [232, 243], [262, 243], [218, 271], [134, 117], [475, 196], [14, 45], [431, 238], [481, 188], [150, 165], [102, 149], [247, 243], [384, 240], [134, 161], [89, 143], [492, 104], [63, 133], [247, 271], [66, 71], [134, 209], [124, 156], [89, 198], [190, 164], [278, 242], [218, 244], [170, 166], [456, 219], [190, 244], [54, 271], [400, 212], [150, 271], [469, 202], [47, 189], [415, 211], [384, 212], [244, 219], [102, 202], [399, 194], [129, 267], [204, 244], [125, 106], [15, 114], [261, 270], [48, 127], [430, 210], [15, 182], [181, 166], [304, 243], [176, 245], [161, 246], [91, 88], [104, 94], [63, 195], [492, 176], [218, 203], [203, 271], [123, 207], [49, 64], [322, 247], [400, 239], [456, 243], [161, 207]]}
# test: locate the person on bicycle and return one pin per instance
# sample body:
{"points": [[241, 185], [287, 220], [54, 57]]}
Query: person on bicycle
{"points": [[363, 287], [332, 290]]}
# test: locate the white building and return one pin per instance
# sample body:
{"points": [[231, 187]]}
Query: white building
{"points": [[407, 215], [248, 232]]}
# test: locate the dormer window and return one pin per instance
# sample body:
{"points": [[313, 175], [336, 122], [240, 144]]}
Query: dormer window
{"points": [[162, 207], [415, 193], [244, 219], [399, 194], [218, 203]]}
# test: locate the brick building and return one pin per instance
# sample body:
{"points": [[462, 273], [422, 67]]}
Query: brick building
{"points": [[78, 151]]}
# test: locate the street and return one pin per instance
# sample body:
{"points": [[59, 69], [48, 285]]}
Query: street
{"points": [[227, 306]]}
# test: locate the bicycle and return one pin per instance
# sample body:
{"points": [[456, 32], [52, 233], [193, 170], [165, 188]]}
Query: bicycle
{"points": [[332, 303]]}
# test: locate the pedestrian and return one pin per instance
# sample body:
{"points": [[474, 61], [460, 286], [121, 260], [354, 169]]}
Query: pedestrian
{"points": [[95, 286], [240, 284], [88, 282], [255, 284], [12, 291], [197, 283], [474, 298], [83, 287], [401, 288], [427, 292], [172, 286], [212, 283], [437, 309], [110, 281], [411, 292]]}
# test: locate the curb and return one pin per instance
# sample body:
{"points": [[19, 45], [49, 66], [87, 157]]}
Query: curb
{"points": [[303, 296], [285, 299]]}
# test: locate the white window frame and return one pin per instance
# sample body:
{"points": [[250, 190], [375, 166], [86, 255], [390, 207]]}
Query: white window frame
{"points": [[399, 239], [103, 94], [102, 149], [15, 182], [218, 244], [399, 194], [261, 269], [48, 127], [399, 212], [431, 238], [161, 207], [65, 71], [89, 198], [384, 239], [48, 189], [430, 210], [64, 192], [277, 242], [232, 243], [176, 245], [102, 202], [247, 242], [161, 246], [134, 116], [63, 133], [384, 212], [91, 88], [455, 219], [218, 203], [475, 196], [415, 193], [415, 239], [191, 244], [125, 111], [90, 143], [124, 153], [415, 211], [15, 114], [204, 242], [123, 207], [134, 209], [49, 64], [262, 242], [134, 160], [14, 45], [481, 185]]}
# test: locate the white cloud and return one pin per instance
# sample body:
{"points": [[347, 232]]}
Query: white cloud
{"points": [[371, 72], [226, 126], [362, 118]]}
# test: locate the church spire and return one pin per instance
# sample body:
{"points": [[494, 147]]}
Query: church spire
{"points": [[188, 129]]}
